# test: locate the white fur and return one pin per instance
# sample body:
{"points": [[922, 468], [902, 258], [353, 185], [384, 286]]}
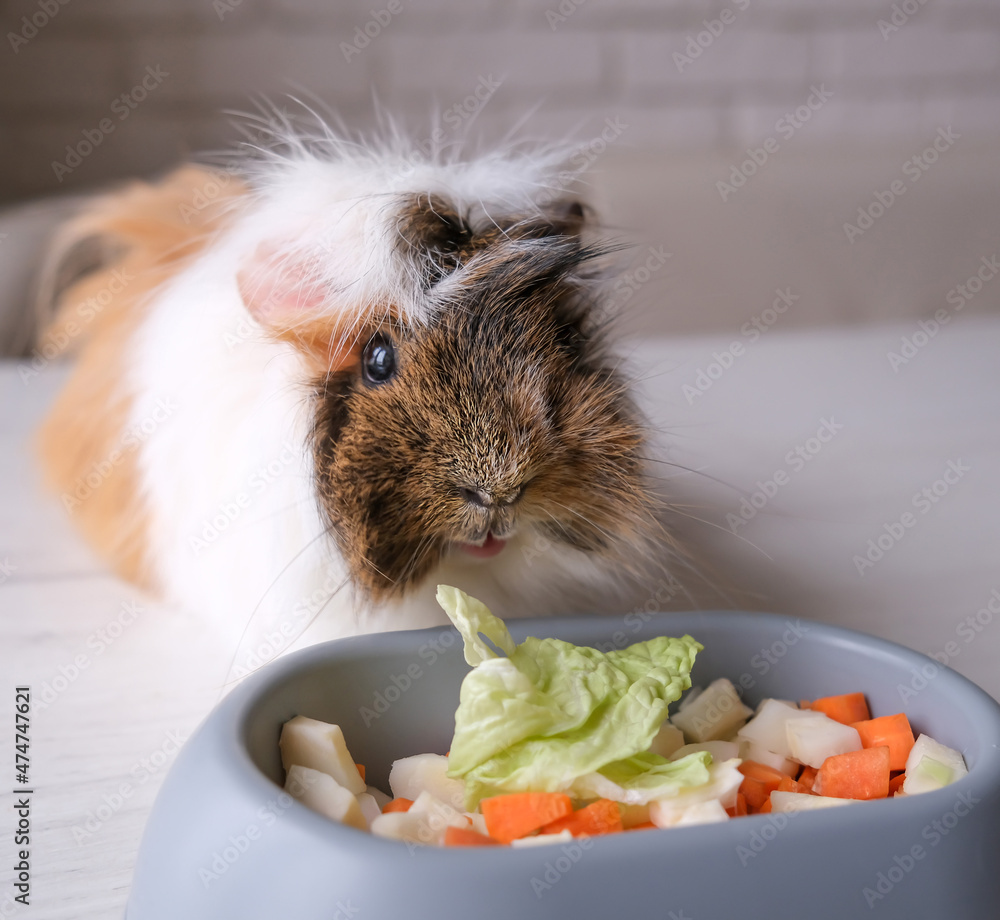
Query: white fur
{"points": [[242, 400]]}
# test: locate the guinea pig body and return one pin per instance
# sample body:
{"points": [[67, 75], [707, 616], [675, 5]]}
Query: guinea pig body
{"points": [[350, 379]]}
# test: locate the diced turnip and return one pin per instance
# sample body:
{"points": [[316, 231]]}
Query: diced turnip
{"points": [[750, 750], [723, 783], [438, 815], [667, 740], [767, 728], [720, 750], [370, 808], [701, 813], [319, 746], [379, 796], [478, 822], [791, 704], [814, 739], [931, 765], [401, 825], [925, 746], [633, 815], [802, 801], [322, 793], [715, 713], [410, 776], [540, 840], [689, 698]]}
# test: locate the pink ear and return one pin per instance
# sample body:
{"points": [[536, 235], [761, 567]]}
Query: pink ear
{"points": [[278, 290], [291, 301]]}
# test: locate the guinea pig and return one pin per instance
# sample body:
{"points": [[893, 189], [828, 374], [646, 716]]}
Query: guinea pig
{"points": [[319, 385]]}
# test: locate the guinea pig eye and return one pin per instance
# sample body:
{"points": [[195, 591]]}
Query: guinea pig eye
{"points": [[378, 361]]}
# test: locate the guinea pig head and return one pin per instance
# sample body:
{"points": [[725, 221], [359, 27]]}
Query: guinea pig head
{"points": [[491, 413]]}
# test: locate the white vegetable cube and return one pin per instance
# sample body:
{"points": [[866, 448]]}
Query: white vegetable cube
{"points": [[931, 765], [410, 776], [814, 739], [702, 813], [438, 815], [369, 807], [380, 797], [802, 801], [723, 783], [667, 740], [401, 825], [720, 750], [715, 713], [767, 728], [750, 750], [322, 793], [540, 840], [319, 746]]}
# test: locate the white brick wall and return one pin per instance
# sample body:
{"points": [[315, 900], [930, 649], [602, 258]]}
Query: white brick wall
{"points": [[606, 58]]}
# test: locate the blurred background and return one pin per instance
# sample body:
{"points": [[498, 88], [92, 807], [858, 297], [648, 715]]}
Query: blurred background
{"points": [[737, 138]]}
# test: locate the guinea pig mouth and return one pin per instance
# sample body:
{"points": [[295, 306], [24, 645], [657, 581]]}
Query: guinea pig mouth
{"points": [[485, 550]]}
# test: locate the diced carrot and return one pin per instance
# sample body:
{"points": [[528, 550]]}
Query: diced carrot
{"points": [[860, 774], [600, 817], [645, 826], [845, 708], [464, 837], [765, 809], [892, 731], [896, 782], [399, 804], [788, 784], [807, 777], [758, 781], [740, 808], [517, 814], [361, 770]]}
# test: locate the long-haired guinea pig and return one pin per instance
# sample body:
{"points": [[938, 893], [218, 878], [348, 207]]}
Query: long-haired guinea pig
{"points": [[349, 374]]}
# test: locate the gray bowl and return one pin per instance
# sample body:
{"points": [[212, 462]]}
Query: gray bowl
{"points": [[223, 840]]}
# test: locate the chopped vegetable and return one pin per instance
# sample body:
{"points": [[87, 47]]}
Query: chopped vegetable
{"points": [[782, 802], [812, 740], [715, 713], [551, 711], [319, 746], [892, 731], [466, 837], [321, 792], [847, 708], [517, 814], [397, 805], [758, 783], [600, 817], [860, 774]]}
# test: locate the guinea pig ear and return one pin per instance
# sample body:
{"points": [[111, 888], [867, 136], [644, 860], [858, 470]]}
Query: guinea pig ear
{"points": [[287, 294]]}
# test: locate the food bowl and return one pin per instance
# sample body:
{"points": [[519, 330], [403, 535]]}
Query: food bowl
{"points": [[223, 840]]}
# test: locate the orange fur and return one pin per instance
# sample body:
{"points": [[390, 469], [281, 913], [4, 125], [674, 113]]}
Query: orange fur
{"points": [[86, 451]]}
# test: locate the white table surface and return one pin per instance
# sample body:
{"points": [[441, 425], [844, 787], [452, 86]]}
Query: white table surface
{"points": [[117, 720]]}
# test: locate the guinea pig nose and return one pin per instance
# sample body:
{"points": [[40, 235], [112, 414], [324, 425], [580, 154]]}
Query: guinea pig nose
{"points": [[476, 497]]}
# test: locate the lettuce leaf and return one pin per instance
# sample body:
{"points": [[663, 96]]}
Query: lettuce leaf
{"points": [[551, 714]]}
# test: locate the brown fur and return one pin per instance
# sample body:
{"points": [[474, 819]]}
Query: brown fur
{"points": [[505, 394], [155, 230]]}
